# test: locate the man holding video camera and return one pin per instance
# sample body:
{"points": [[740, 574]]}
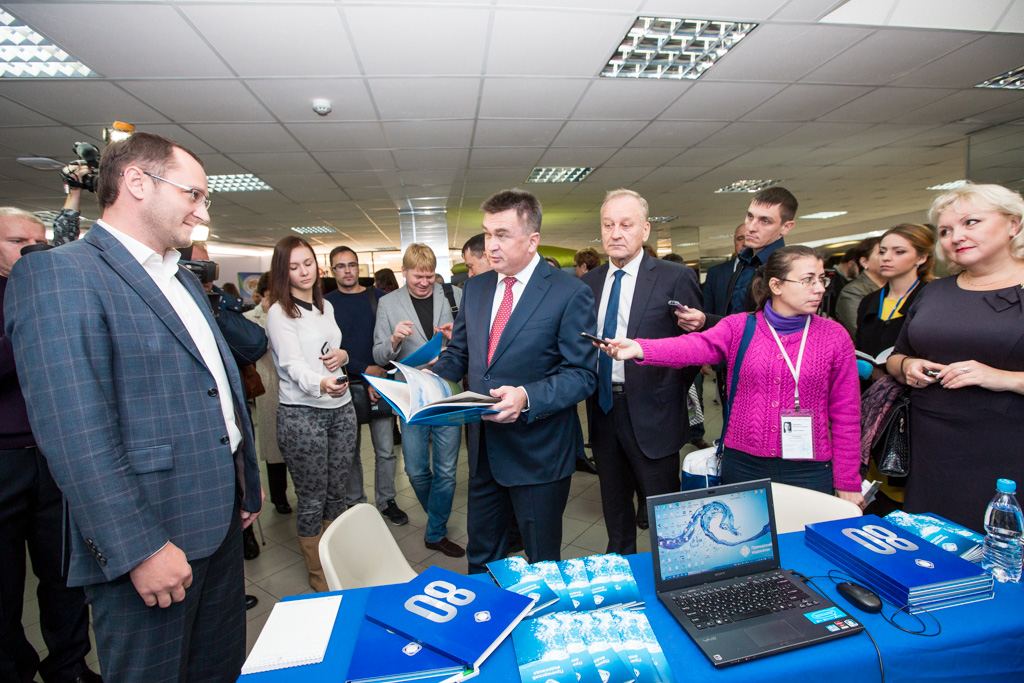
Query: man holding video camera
{"points": [[140, 413], [31, 515]]}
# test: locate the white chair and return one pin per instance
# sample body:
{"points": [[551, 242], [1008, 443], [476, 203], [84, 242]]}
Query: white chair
{"points": [[357, 551], [795, 507]]}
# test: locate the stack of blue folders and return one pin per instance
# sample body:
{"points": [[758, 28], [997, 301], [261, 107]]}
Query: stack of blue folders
{"points": [[437, 628], [939, 531], [901, 567]]}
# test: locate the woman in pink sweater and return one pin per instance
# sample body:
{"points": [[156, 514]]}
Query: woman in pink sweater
{"points": [[809, 438]]}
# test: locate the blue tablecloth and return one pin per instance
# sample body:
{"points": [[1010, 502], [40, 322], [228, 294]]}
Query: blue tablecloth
{"points": [[979, 642]]}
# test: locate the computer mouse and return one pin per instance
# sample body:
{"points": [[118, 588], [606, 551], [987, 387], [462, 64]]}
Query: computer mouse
{"points": [[860, 596]]}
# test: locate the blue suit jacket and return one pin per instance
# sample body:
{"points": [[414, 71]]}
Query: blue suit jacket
{"points": [[541, 350], [123, 407], [656, 396], [716, 285]]}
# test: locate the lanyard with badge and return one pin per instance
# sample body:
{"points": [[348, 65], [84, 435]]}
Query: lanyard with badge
{"points": [[797, 425]]}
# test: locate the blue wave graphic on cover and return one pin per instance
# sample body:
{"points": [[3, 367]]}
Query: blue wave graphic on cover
{"points": [[704, 517]]}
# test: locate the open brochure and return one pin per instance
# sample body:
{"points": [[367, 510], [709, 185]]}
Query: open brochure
{"points": [[423, 355], [878, 360], [427, 399]]}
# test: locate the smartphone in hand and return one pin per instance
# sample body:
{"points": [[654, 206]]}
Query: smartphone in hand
{"points": [[677, 305], [593, 338]]}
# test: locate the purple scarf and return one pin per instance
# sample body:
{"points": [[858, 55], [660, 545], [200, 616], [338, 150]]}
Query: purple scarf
{"points": [[783, 324]]}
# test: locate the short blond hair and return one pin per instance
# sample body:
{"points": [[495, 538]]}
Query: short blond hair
{"points": [[984, 197], [419, 257], [14, 212], [623, 192]]}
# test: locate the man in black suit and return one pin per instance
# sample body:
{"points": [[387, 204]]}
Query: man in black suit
{"points": [[640, 419], [517, 337]]}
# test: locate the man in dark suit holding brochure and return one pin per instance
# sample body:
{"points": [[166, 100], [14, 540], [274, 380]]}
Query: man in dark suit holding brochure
{"points": [[640, 419], [517, 337]]}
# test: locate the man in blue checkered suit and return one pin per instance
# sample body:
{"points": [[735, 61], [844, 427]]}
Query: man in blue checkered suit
{"points": [[137, 406]]}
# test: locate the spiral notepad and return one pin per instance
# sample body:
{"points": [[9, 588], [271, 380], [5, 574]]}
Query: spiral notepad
{"points": [[296, 634]]}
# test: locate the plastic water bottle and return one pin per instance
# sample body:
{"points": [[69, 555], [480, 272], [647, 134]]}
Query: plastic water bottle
{"points": [[1004, 524]]}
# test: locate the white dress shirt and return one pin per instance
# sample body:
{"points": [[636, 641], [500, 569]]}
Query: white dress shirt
{"points": [[522, 277], [163, 269], [626, 289]]}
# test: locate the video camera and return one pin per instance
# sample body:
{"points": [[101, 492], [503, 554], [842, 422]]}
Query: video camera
{"points": [[88, 156], [206, 271]]}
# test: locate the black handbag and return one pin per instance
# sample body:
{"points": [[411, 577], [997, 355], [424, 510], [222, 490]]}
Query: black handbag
{"points": [[891, 447], [365, 410]]}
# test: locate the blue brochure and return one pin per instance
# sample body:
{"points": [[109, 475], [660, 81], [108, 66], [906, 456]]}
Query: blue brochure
{"points": [[381, 656], [650, 641], [578, 582], [553, 577], [579, 655], [942, 532], [611, 581], [517, 575], [634, 650], [426, 353], [541, 652], [457, 616], [601, 645]]}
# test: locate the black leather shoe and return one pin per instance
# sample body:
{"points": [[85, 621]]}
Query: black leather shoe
{"points": [[251, 601], [88, 676], [641, 518], [250, 547], [394, 515], [283, 508], [586, 465], [447, 547]]}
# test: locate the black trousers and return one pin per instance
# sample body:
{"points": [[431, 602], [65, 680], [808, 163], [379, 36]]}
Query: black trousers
{"points": [[31, 508], [538, 509], [200, 639], [623, 469]]}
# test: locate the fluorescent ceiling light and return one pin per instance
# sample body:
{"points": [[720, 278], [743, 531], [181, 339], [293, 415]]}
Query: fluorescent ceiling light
{"points": [[842, 238], [748, 186], [823, 215], [688, 244], [948, 186], [1011, 80], [658, 47], [315, 230], [26, 54], [661, 219], [227, 250], [379, 249], [236, 182], [41, 163], [558, 174]]}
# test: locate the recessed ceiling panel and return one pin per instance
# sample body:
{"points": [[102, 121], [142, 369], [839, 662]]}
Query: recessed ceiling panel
{"points": [[509, 133], [244, 137], [530, 98], [560, 43], [425, 98], [417, 134], [187, 101], [81, 102], [336, 135], [712, 101]]}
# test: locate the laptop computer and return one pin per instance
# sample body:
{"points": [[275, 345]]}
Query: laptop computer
{"points": [[716, 570]]}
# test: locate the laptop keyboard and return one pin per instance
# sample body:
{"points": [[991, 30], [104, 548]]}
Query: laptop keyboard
{"points": [[714, 606]]}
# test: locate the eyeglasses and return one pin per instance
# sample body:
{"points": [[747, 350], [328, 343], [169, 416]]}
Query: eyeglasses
{"points": [[345, 266], [195, 195], [809, 281]]}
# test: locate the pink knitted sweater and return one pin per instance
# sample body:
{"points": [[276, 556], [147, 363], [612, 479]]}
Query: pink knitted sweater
{"points": [[828, 387]]}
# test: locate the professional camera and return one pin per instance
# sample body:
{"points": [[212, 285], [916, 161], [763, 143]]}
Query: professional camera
{"points": [[206, 271], [88, 156]]}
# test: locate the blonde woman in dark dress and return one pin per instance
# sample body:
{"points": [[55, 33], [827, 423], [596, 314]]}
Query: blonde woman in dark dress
{"points": [[961, 351]]}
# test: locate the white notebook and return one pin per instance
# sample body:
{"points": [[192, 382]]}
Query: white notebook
{"points": [[296, 633]]}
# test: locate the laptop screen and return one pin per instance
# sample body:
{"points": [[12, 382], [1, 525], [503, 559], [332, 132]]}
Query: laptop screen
{"points": [[711, 533]]}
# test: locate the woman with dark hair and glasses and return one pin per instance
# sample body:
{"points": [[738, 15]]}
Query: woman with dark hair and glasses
{"points": [[795, 417], [316, 423]]}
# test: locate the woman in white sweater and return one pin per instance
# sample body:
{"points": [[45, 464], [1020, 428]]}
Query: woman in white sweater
{"points": [[316, 423]]}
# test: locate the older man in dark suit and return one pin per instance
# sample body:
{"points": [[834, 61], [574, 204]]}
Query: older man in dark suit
{"points": [[140, 413], [639, 413], [517, 337]]}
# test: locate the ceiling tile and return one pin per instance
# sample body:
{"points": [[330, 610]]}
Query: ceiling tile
{"points": [[425, 98], [209, 101], [276, 162], [737, 10], [44, 141], [804, 102], [312, 37], [120, 40], [719, 101], [879, 105], [13, 114], [984, 58], [355, 160], [582, 156], [433, 40], [627, 98], [84, 102], [817, 133], [503, 133], [968, 104], [561, 43], [676, 133], [244, 137], [335, 135], [414, 134], [887, 55], [591, 133], [530, 98], [497, 157], [292, 99], [644, 156], [417, 159]]}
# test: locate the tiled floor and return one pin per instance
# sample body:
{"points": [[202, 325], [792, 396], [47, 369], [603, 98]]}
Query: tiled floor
{"points": [[280, 571]]}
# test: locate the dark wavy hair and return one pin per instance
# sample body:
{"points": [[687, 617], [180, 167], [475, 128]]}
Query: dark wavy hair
{"points": [[922, 239], [778, 266], [280, 286]]}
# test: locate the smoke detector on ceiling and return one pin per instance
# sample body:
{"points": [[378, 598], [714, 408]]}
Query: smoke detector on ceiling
{"points": [[322, 107]]}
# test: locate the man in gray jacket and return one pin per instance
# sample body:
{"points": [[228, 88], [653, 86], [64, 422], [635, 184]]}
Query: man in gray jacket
{"points": [[406, 319]]}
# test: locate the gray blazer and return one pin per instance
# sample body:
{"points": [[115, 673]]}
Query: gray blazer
{"points": [[395, 307]]}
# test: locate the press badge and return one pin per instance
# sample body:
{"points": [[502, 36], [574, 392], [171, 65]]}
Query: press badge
{"points": [[797, 435]]}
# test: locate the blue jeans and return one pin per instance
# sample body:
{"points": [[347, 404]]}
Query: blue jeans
{"points": [[435, 488]]}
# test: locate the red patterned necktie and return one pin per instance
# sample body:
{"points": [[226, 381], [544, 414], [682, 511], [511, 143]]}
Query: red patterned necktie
{"points": [[504, 311]]}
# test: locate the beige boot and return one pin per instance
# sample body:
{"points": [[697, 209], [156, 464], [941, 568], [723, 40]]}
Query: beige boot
{"points": [[311, 554]]}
